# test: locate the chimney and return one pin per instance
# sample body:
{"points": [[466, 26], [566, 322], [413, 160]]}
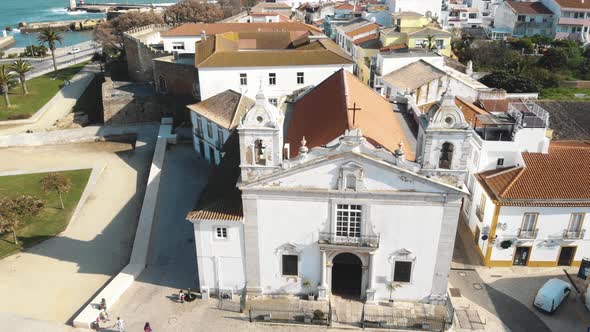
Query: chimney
{"points": [[203, 35], [469, 69]]}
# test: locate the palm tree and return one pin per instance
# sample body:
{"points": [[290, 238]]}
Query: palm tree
{"points": [[431, 42], [50, 37], [21, 68], [6, 76]]}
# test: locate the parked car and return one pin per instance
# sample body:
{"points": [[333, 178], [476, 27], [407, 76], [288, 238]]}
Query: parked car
{"points": [[552, 294], [74, 51]]}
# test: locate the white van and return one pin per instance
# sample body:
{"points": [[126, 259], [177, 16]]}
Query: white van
{"points": [[552, 294]]}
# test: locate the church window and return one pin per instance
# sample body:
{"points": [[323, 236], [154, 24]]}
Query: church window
{"points": [[221, 232], [350, 182], [402, 271], [446, 156], [259, 148], [209, 129], [290, 265], [243, 79], [272, 79], [162, 84], [500, 162], [348, 220], [300, 79], [273, 101]]}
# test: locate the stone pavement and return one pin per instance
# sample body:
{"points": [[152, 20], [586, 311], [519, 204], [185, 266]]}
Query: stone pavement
{"points": [[60, 105], [52, 280]]}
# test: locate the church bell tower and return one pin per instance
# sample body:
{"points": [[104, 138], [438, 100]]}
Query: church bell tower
{"points": [[261, 139], [443, 142]]}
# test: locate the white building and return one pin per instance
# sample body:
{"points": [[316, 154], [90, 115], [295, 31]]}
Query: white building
{"points": [[533, 213], [572, 18], [182, 39], [214, 119], [521, 19], [357, 29], [282, 62], [349, 210], [430, 8]]}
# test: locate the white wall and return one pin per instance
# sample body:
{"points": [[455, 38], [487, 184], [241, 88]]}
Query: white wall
{"points": [[220, 261], [216, 80], [209, 141], [419, 6], [551, 223], [386, 65], [189, 43]]}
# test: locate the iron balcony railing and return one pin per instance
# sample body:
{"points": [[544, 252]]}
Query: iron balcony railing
{"points": [[528, 233], [371, 241], [572, 235]]}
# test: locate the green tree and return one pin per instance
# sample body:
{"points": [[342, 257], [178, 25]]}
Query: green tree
{"points": [[431, 42], [554, 58], [6, 77], [193, 11], [56, 182], [21, 68], [51, 38], [509, 82], [523, 44], [110, 34]]}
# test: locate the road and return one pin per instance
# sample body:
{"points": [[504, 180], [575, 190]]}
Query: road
{"points": [[63, 59]]}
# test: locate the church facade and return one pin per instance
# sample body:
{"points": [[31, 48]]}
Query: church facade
{"points": [[347, 216]]}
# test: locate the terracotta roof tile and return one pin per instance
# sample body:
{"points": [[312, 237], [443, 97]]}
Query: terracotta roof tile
{"points": [[218, 210], [559, 178], [529, 7], [578, 4], [364, 29], [223, 51], [194, 29], [366, 38], [413, 75], [324, 114], [225, 108]]}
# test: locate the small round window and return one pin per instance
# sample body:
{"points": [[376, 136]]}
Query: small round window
{"points": [[259, 118], [449, 120]]}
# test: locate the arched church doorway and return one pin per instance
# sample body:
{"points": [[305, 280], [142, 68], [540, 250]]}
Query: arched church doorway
{"points": [[347, 275]]}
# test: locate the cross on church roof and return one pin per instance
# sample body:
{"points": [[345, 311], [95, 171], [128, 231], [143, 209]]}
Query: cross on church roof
{"points": [[354, 109]]}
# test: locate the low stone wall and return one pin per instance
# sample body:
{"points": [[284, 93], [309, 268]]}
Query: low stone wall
{"points": [[114, 289], [176, 78], [123, 105], [140, 54], [575, 84]]}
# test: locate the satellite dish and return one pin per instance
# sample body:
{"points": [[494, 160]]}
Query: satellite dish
{"points": [[484, 237]]}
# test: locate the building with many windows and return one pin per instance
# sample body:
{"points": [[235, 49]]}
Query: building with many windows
{"points": [[514, 18], [341, 200]]}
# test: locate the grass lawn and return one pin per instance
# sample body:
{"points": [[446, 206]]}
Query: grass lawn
{"points": [[52, 220], [41, 90], [564, 94]]}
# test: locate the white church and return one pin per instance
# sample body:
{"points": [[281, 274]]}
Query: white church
{"points": [[332, 192]]}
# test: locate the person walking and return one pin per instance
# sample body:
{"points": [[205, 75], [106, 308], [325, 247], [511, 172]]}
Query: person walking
{"points": [[103, 304], [119, 325], [181, 296], [147, 327]]}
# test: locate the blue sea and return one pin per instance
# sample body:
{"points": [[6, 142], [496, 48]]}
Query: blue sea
{"points": [[14, 11]]}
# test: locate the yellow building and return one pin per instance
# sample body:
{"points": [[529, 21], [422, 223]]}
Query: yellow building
{"points": [[410, 21], [431, 37], [365, 49]]}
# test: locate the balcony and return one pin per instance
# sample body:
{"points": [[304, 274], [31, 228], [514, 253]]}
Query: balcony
{"points": [[479, 213], [368, 241], [573, 235], [528, 234], [199, 133]]}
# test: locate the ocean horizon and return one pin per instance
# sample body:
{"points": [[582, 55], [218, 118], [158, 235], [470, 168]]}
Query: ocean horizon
{"points": [[15, 11]]}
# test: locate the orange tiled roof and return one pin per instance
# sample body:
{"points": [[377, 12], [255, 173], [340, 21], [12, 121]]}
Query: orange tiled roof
{"points": [[366, 38], [325, 113], [529, 7], [194, 29], [558, 178], [578, 4], [364, 29], [230, 210]]}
